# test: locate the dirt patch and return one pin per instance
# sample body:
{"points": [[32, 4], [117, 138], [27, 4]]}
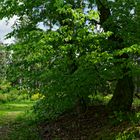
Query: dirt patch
{"points": [[80, 127]]}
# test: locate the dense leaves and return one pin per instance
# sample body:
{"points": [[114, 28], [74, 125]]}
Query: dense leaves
{"points": [[69, 50]]}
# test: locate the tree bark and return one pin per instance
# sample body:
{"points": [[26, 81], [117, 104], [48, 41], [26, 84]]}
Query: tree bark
{"points": [[123, 95]]}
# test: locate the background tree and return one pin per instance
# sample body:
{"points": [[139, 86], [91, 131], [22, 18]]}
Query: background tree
{"points": [[2, 63]]}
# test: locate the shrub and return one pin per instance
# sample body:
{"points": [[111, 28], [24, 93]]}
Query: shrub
{"points": [[5, 86], [36, 96], [13, 95], [3, 98]]}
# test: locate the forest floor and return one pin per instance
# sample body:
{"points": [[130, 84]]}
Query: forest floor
{"points": [[17, 123], [95, 124], [14, 123]]}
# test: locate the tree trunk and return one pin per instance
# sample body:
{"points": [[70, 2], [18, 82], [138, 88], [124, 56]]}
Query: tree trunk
{"points": [[123, 95]]}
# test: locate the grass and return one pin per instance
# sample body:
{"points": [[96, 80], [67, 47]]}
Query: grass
{"points": [[16, 121]]}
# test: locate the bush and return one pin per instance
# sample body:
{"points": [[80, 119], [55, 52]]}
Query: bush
{"points": [[3, 98], [36, 96], [49, 108], [13, 95], [5, 86]]}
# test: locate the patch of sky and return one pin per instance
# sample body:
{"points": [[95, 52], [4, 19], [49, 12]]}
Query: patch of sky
{"points": [[5, 28], [44, 27]]}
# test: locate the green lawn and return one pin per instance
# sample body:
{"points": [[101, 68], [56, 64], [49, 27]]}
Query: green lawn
{"points": [[16, 121]]}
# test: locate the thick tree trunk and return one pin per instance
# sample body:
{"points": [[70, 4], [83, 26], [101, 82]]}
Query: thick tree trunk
{"points": [[123, 95]]}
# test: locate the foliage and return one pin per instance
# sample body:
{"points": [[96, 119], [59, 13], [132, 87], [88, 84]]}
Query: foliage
{"points": [[36, 97], [5, 86], [14, 95], [80, 53], [53, 72], [99, 98]]}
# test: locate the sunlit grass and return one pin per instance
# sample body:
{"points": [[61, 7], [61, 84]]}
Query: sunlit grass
{"points": [[13, 109], [16, 121]]}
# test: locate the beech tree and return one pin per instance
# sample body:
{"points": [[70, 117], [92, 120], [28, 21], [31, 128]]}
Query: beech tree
{"points": [[85, 44]]}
